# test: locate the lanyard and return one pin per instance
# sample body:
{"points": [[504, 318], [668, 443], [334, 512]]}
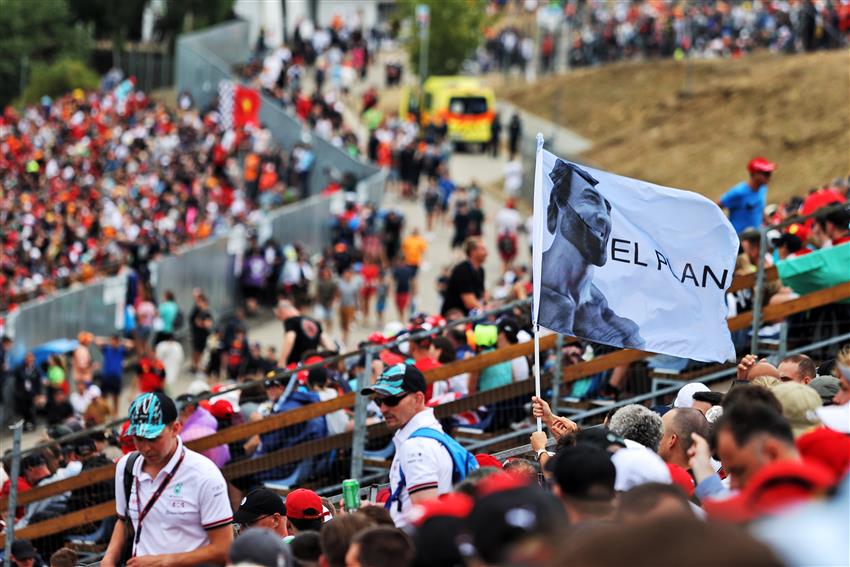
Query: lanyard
{"points": [[143, 513]]}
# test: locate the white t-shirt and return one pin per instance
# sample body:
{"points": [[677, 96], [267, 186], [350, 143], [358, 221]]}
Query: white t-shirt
{"points": [[193, 502], [513, 178], [426, 464], [172, 356], [508, 220], [80, 402], [338, 420], [519, 369]]}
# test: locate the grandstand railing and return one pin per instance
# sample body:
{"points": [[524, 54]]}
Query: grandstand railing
{"points": [[300, 452]]}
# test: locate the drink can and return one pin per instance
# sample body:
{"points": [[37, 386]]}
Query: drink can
{"points": [[351, 493]]}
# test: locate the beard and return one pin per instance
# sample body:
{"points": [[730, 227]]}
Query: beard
{"points": [[592, 246]]}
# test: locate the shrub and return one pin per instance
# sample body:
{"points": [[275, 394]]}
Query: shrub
{"points": [[58, 78]]}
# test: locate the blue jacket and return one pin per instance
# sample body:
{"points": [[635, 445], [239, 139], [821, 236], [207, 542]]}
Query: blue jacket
{"points": [[291, 435]]}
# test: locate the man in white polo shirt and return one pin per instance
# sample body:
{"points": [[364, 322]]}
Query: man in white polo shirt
{"points": [[425, 456], [178, 503]]}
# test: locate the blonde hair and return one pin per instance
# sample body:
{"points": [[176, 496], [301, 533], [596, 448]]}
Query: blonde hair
{"points": [[765, 381]]}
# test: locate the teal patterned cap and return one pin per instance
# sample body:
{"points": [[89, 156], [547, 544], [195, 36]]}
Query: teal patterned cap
{"points": [[396, 380]]}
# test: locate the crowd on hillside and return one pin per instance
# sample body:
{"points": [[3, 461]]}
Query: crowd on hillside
{"points": [[336, 56], [99, 180], [602, 32]]}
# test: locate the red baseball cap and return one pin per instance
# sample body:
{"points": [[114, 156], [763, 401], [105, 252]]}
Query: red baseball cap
{"points": [[826, 447], [485, 460], [774, 487], [760, 165], [452, 505], [222, 409], [303, 504]]}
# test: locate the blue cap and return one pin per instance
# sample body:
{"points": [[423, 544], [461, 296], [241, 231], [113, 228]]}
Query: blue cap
{"points": [[149, 414]]}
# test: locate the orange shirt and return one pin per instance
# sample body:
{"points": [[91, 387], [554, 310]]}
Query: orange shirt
{"points": [[413, 248]]}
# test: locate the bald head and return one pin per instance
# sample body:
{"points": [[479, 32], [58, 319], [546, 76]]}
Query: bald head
{"points": [[678, 425]]}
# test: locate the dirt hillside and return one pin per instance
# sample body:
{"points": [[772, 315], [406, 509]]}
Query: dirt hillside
{"points": [[696, 128]]}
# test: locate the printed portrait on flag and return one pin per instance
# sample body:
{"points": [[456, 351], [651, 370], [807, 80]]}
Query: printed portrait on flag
{"points": [[578, 218], [628, 263]]}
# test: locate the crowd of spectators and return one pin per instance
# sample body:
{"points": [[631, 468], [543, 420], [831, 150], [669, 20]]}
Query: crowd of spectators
{"points": [[336, 56], [603, 32], [94, 181], [735, 472]]}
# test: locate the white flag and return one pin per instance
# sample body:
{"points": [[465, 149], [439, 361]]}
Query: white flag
{"points": [[630, 264]]}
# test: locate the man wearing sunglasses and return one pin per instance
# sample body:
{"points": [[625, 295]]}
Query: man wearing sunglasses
{"points": [[262, 508], [426, 464]]}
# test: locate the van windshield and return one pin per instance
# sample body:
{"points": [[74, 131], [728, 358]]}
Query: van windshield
{"points": [[468, 105]]}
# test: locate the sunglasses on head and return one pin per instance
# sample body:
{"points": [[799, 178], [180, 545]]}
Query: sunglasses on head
{"points": [[390, 401]]}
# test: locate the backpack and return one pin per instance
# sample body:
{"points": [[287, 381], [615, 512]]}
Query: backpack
{"points": [[179, 320], [463, 462]]}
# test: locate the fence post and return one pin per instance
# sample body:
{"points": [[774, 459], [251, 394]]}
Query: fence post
{"points": [[17, 431], [759, 292], [358, 439], [557, 373]]}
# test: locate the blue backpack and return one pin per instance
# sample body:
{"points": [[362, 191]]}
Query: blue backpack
{"points": [[463, 462]]}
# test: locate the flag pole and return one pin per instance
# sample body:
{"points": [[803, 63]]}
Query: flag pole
{"points": [[537, 252], [537, 369]]}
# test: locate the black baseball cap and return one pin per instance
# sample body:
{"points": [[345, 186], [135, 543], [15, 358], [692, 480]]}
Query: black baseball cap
{"points": [[600, 436], [258, 503], [274, 378], [32, 460], [510, 327], [584, 472], [396, 380], [504, 518], [259, 546], [317, 375], [85, 446], [23, 549], [184, 400]]}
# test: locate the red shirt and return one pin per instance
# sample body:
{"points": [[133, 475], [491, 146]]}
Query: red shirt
{"points": [[23, 486], [423, 365], [819, 199]]}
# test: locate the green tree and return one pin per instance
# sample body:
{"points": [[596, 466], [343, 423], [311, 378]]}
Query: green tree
{"points": [[188, 15], [32, 31], [456, 30], [59, 78], [111, 19]]}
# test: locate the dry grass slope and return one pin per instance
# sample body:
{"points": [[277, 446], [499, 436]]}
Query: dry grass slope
{"points": [[644, 123]]}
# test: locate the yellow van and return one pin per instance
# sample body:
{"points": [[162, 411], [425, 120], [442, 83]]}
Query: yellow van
{"points": [[461, 103]]}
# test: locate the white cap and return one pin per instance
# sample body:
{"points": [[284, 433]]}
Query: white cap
{"points": [[685, 397], [835, 417], [636, 466]]}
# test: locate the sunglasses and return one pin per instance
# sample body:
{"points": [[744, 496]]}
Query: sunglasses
{"points": [[244, 526], [272, 384], [390, 401]]}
